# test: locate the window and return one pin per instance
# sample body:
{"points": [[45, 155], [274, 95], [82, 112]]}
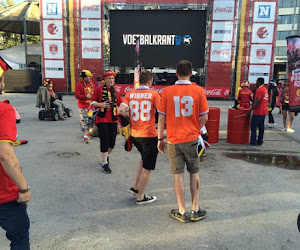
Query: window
{"points": [[287, 3], [282, 51], [284, 19], [281, 35]]}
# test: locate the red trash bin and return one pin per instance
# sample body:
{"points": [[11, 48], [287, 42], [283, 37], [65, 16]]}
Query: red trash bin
{"points": [[212, 125], [238, 126]]}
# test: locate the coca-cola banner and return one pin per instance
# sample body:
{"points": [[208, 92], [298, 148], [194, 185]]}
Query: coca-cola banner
{"points": [[219, 67], [91, 37], [122, 89], [159, 1], [293, 55]]}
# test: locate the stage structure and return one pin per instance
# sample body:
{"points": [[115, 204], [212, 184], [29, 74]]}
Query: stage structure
{"points": [[227, 41]]}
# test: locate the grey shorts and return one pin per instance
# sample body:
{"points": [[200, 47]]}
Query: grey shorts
{"points": [[179, 154]]}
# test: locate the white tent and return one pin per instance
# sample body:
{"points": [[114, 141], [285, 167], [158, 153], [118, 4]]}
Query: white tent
{"points": [[15, 56]]}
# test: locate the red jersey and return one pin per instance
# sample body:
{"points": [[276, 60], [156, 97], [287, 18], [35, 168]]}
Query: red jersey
{"points": [[262, 108], [183, 104], [97, 96], [8, 132], [142, 103], [83, 89], [245, 95]]}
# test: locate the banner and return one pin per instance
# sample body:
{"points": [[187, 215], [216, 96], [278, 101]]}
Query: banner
{"points": [[219, 65], [293, 55]]}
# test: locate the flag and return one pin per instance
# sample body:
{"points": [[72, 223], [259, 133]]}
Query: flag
{"points": [[3, 66], [138, 66]]}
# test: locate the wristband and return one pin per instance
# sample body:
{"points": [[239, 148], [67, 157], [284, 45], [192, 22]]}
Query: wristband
{"points": [[24, 190], [160, 139]]}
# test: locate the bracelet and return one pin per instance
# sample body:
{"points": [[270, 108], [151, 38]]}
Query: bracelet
{"points": [[24, 190], [160, 139]]}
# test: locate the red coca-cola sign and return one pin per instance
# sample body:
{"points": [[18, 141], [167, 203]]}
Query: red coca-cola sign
{"points": [[222, 52], [91, 49], [91, 8], [227, 9]]}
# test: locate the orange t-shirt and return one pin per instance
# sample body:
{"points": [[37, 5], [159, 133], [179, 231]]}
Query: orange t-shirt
{"points": [[142, 103], [183, 104]]}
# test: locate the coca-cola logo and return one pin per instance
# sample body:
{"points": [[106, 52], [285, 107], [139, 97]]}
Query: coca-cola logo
{"points": [[117, 88], [91, 8], [226, 92], [158, 90], [222, 52], [212, 92], [91, 49], [227, 9], [128, 89]]}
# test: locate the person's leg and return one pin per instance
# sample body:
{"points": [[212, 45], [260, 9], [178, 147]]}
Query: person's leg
{"points": [[284, 116], [138, 171], [103, 134], [291, 115], [83, 123], [179, 191], [195, 190], [254, 124], [261, 129], [143, 183], [15, 221], [59, 108], [112, 128]]}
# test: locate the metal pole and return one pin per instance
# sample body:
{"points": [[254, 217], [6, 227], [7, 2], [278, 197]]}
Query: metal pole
{"points": [[25, 40]]}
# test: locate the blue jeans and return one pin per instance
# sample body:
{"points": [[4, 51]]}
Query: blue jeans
{"points": [[14, 220], [258, 121]]}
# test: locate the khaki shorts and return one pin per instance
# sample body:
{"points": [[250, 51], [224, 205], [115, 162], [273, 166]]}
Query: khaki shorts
{"points": [[179, 154]]}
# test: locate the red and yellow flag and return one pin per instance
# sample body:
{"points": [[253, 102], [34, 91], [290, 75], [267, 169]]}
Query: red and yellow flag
{"points": [[3, 66]]}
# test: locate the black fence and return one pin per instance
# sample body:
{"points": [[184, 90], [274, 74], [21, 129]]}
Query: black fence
{"points": [[27, 81]]}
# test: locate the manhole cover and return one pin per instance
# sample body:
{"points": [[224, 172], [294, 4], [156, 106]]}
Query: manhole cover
{"points": [[68, 154]]}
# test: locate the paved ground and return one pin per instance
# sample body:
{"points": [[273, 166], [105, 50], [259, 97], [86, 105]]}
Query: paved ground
{"points": [[251, 202]]}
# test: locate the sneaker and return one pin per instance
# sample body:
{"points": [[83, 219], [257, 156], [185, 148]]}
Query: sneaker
{"points": [[290, 130], [270, 125], [178, 216], [85, 140], [133, 191], [196, 216], [283, 130], [147, 199], [89, 136], [274, 124], [106, 169]]}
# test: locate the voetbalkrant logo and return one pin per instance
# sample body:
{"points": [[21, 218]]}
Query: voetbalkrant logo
{"points": [[156, 40]]}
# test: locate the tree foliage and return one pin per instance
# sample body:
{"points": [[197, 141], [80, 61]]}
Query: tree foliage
{"points": [[8, 39]]}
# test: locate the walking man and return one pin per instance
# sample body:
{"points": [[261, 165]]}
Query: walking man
{"points": [[184, 108], [141, 104], [260, 110], [14, 189]]}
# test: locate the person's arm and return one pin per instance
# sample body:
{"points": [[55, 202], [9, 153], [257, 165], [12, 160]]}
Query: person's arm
{"points": [[255, 104], [123, 110], [160, 133], [79, 92], [203, 120], [12, 168]]}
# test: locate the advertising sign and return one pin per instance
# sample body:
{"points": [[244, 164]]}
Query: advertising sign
{"points": [[54, 69], [262, 33], [222, 31], [223, 10], [53, 29], [166, 37], [91, 49], [264, 12], [220, 52], [53, 49], [52, 9], [90, 9], [261, 54], [256, 71], [293, 55], [90, 29]]}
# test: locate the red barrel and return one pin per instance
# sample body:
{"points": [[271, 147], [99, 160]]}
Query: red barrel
{"points": [[212, 125], [238, 127]]}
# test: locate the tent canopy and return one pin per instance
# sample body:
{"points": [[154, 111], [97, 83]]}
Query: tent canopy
{"points": [[12, 19]]}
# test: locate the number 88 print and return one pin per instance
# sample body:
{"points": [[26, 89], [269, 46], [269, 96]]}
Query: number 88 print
{"points": [[140, 110]]}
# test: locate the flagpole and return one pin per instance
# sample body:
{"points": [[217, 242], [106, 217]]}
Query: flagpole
{"points": [[138, 66]]}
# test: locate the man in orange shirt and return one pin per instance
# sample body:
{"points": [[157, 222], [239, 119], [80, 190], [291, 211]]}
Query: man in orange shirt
{"points": [[141, 104], [184, 108]]}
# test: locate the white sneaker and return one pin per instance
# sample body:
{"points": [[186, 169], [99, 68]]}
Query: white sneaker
{"points": [[274, 124], [270, 125], [290, 130], [283, 130]]}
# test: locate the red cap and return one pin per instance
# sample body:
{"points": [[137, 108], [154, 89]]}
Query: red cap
{"points": [[109, 73]]}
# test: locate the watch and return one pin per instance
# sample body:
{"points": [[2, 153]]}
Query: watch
{"points": [[24, 190]]}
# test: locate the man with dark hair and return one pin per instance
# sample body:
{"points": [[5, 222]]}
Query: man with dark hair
{"points": [[184, 108], [14, 189], [260, 110], [141, 104]]}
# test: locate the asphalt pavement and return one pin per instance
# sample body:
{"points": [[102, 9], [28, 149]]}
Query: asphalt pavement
{"points": [[251, 194]]}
